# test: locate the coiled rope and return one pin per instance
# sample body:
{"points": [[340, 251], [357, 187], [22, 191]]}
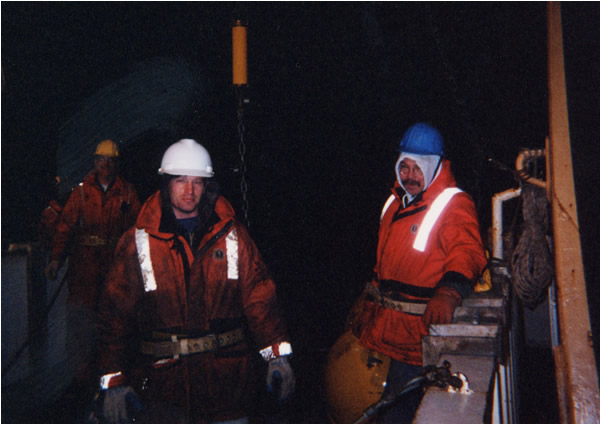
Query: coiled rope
{"points": [[532, 266]]}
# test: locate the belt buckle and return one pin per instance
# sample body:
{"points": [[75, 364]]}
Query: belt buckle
{"points": [[95, 241], [184, 347], [177, 346]]}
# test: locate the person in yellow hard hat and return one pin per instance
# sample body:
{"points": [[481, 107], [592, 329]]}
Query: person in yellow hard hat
{"points": [[95, 215]]}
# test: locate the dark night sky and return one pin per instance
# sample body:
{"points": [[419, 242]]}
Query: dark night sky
{"points": [[332, 88]]}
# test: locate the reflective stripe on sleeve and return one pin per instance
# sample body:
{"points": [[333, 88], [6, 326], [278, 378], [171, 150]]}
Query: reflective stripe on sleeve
{"points": [[432, 216], [276, 350], [142, 244], [111, 380], [231, 244]]}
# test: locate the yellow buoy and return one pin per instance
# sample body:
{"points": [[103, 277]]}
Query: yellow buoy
{"points": [[354, 379], [240, 58]]}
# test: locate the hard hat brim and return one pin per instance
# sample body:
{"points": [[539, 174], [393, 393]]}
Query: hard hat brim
{"points": [[189, 172]]}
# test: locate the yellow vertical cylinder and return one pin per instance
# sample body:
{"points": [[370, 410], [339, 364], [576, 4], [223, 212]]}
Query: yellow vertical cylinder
{"points": [[240, 54]]}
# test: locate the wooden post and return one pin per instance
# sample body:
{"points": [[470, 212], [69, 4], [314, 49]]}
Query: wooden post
{"points": [[577, 378]]}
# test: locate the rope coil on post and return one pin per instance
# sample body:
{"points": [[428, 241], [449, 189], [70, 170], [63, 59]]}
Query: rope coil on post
{"points": [[532, 262]]}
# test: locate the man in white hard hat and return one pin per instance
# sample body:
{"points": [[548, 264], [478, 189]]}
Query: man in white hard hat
{"points": [[188, 306]]}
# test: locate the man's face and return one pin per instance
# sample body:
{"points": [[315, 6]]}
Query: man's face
{"points": [[185, 192], [106, 166], [412, 177]]}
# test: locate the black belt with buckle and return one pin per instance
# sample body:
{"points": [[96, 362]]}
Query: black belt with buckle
{"points": [[414, 308]]}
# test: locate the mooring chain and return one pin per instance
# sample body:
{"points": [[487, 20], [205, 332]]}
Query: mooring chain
{"points": [[243, 168]]}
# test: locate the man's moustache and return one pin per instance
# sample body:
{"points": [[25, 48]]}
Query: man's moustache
{"points": [[410, 182]]}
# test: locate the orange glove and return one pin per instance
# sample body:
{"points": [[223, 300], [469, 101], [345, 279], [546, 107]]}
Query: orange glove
{"points": [[441, 306]]}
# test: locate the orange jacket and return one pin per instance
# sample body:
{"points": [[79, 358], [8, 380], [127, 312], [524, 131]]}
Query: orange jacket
{"points": [[195, 293], [88, 230], [454, 256]]}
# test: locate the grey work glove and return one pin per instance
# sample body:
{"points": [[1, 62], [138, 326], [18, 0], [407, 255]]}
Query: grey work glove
{"points": [[280, 378], [119, 405]]}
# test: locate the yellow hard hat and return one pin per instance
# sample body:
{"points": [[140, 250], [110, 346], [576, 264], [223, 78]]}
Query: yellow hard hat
{"points": [[354, 379], [107, 148]]}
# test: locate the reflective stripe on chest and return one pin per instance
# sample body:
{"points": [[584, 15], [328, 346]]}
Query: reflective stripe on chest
{"points": [[431, 217], [142, 244], [231, 244]]}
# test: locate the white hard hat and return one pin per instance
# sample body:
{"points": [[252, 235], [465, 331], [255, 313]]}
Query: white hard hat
{"points": [[186, 157]]}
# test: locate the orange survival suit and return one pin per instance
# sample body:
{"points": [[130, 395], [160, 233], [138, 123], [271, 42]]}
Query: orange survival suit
{"points": [[453, 257], [90, 226], [219, 287]]}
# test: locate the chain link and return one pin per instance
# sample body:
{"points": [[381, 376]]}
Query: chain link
{"points": [[242, 151]]}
